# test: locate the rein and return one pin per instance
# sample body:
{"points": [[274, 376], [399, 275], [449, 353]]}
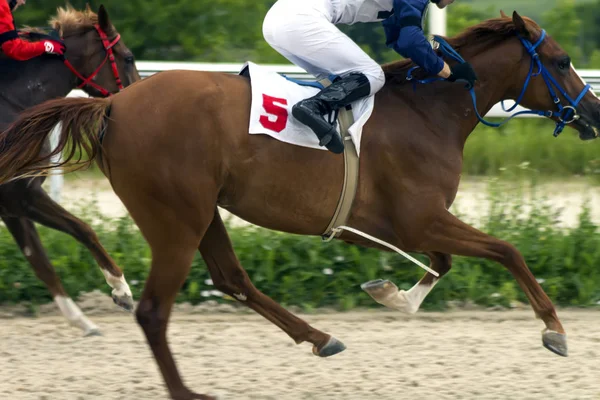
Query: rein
{"points": [[108, 47], [566, 114]]}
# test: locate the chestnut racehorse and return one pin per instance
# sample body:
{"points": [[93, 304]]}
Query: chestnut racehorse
{"points": [[176, 146]]}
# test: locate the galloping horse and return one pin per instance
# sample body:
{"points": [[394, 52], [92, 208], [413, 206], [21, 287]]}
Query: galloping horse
{"points": [[25, 84], [176, 146]]}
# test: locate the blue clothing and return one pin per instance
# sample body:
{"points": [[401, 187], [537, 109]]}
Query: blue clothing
{"points": [[410, 41]]}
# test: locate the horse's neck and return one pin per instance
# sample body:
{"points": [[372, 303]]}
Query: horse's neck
{"points": [[24, 84], [442, 112], [499, 72]]}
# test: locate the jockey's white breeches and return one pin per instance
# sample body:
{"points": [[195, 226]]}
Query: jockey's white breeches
{"points": [[303, 32]]}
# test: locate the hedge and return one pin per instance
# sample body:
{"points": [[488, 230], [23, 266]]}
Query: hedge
{"points": [[303, 271]]}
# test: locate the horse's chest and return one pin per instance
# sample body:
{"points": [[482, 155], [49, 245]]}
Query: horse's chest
{"points": [[450, 193]]}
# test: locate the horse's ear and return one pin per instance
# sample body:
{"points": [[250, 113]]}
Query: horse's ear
{"points": [[503, 15], [88, 8], [520, 25], [103, 19]]}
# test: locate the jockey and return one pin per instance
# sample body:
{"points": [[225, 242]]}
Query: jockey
{"points": [[19, 49], [305, 33]]}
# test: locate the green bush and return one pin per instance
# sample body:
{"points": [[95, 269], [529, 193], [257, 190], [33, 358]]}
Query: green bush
{"points": [[490, 150], [303, 271]]}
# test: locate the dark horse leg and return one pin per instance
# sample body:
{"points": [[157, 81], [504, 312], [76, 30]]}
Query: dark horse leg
{"points": [[38, 206], [386, 293], [230, 277], [26, 236], [450, 235], [177, 224]]}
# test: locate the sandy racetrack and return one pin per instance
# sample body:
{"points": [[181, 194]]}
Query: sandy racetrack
{"points": [[454, 355]]}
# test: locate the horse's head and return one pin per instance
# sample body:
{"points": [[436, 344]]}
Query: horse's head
{"points": [[548, 81], [95, 52]]}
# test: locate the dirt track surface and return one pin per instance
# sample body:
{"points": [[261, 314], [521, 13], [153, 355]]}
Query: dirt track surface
{"points": [[454, 355]]}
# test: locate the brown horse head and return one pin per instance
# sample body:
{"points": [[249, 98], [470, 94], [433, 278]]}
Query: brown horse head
{"points": [[503, 63], [558, 64], [88, 54], [96, 60]]}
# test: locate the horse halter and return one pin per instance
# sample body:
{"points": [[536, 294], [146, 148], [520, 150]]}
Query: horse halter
{"points": [[108, 47], [565, 115]]}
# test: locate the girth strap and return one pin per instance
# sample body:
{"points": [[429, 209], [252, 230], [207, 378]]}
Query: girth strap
{"points": [[342, 212]]}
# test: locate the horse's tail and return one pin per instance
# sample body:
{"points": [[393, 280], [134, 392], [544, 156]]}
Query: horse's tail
{"points": [[22, 144]]}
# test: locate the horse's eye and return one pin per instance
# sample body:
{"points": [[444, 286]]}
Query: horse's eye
{"points": [[564, 64]]}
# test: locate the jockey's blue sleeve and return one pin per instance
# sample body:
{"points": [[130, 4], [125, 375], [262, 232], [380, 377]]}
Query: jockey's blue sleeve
{"points": [[410, 41]]}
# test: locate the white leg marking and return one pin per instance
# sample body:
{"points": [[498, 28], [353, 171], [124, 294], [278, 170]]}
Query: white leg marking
{"points": [[240, 296], [74, 315], [27, 251], [119, 285], [409, 302]]}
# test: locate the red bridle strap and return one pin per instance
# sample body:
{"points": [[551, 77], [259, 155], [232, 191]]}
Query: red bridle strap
{"points": [[108, 46]]}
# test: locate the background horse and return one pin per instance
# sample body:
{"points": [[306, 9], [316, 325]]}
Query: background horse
{"points": [[176, 146], [25, 84]]}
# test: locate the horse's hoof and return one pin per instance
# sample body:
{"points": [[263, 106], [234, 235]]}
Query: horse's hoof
{"points": [[555, 342], [371, 284], [380, 289], [332, 347], [93, 332], [125, 302]]}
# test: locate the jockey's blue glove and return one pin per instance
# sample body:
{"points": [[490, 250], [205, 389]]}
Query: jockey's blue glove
{"points": [[463, 73]]}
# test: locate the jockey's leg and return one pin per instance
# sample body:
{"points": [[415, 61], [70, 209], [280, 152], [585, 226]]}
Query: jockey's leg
{"points": [[305, 34]]}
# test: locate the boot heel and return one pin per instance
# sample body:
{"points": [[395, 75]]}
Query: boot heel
{"points": [[332, 141]]}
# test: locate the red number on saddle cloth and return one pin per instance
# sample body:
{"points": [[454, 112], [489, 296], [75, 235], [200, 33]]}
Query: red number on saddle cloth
{"points": [[276, 110]]}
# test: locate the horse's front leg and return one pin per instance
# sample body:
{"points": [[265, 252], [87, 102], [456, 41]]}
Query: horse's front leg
{"points": [[447, 234]]}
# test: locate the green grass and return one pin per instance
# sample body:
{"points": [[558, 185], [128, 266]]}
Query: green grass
{"points": [[303, 271], [528, 146]]}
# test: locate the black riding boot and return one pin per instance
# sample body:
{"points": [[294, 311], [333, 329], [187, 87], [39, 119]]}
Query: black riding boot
{"points": [[339, 94]]}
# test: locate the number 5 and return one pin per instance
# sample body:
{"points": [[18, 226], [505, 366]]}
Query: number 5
{"points": [[280, 113]]}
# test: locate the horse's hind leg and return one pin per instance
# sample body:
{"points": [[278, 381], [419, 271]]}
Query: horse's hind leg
{"points": [[39, 206], [230, 277], [386, 293], [450, 235], [28, 240]]}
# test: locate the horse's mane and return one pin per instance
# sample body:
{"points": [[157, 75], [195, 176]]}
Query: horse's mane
{"points": [[68, 20], [490, 32]]}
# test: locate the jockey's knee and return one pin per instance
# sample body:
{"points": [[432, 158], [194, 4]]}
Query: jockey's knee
{"points": [[269, 28]]}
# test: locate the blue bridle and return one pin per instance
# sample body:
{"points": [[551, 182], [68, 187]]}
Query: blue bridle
{"points": [[565, 114]]}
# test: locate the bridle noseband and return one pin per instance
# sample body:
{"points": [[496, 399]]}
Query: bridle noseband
{"points": [[565, 114], [108, 46]]}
